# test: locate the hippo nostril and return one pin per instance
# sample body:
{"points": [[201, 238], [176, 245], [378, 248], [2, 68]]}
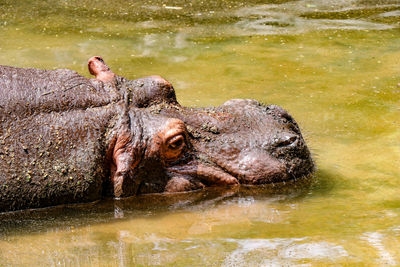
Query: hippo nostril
{"points": [[285, 140]]}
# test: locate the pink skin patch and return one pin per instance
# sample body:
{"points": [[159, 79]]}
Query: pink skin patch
{"points": [[99, 68]]}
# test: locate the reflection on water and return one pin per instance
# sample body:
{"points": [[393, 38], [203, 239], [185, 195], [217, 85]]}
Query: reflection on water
{"points": [[301, 16], [278, 252], [376, 240], [334, 64]]}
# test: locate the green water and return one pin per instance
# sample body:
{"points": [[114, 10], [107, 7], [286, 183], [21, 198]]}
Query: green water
{"points": [[334, 65]]}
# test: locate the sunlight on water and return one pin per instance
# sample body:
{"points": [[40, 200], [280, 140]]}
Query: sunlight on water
{"points": [[302, 16], [333, 64]]}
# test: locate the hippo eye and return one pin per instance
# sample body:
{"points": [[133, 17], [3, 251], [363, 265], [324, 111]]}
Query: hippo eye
{"points": [[174, 147], [173, 139], [176, 142]]}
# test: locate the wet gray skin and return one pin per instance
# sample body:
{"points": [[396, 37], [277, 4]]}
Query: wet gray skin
{"points": [[65, 139]]}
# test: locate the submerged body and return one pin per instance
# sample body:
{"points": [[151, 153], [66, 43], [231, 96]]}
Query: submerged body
{"points": [[65, 139]]}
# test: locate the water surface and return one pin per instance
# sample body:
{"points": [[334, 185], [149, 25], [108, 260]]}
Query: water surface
{"points": [[334, 65]]}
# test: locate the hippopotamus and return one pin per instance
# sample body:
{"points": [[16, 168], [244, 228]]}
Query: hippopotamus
{"points": [[65, 138]]}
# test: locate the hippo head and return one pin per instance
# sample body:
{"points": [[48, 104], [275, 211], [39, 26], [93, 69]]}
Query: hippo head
{"points": [[161, 146]]}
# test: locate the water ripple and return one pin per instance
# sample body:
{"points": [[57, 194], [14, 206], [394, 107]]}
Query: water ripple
{"points": [[302, 16], [281, 252], [375, 239]]}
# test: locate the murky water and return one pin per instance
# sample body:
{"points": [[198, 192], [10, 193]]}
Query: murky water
{"points": [[334, 64]]}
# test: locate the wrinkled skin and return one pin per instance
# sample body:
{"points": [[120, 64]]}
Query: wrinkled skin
{"points": [[65, 139]]}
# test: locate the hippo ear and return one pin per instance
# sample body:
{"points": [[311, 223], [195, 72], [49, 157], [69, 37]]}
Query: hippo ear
{"points": [[123, 164], [99, 68]]}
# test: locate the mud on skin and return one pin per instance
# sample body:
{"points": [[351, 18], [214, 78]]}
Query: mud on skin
{"points": [[66, 139]]}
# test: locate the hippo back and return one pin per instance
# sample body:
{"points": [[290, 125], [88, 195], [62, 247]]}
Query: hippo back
{"points": [[25, 91], [53, 131]]}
